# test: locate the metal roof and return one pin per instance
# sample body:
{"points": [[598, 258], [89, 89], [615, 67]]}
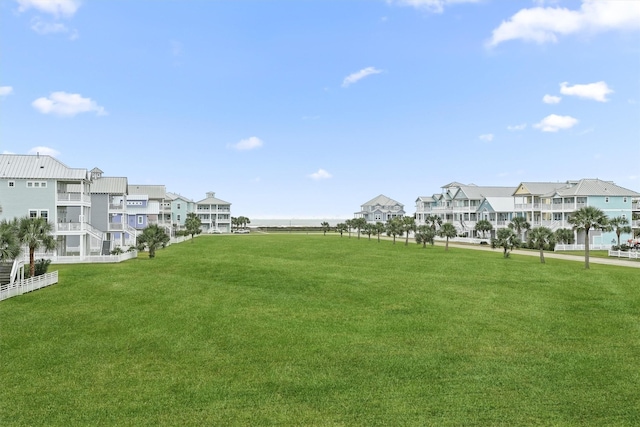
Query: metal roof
{"points": [[383, 201], [176, 196], [153, 191], [593, 187], [212, 201], [38, 167], [477, 192], [109, 185]]}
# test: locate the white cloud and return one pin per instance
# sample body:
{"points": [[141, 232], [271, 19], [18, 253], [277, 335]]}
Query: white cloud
{"points": [[554, 123], [5, 90], [436, 6], [42, 27], [45, 151], [250, 143], [486, 137], [67, 105], [597, 91], [517, 127], [545, 24], [53, 7], [551, 99], [321, 174], [353, 78]]}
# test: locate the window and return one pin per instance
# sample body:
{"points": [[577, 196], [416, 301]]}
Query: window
{"points": [[45, 215], [33, 214], [606, 200], [12, 184], [140, 220], [178, 217], [178, 208], [624, 200], [36, 184]]}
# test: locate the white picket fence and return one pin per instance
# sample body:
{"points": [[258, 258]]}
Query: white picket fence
{"points": [[87, 259], [20, 287], [625, 254], [593, 247]]}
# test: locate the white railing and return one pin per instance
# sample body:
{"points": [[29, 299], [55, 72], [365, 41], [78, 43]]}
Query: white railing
{"points": [[20, 287], [68, 226], [87, 259], [625, 254], [592, 247], [74, 197]]}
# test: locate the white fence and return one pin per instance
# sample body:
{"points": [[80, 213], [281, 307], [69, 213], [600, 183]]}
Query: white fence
{"points": [[20, 287], [625, 254], [592, 247], [88, 259]]}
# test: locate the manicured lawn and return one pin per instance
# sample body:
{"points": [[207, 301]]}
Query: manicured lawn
{"points": [[314, 330]]}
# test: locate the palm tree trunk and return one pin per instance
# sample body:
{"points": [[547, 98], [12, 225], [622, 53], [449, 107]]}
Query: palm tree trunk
{"points": [[586, 248], [446, 245], [541, 255], [32, 262]]}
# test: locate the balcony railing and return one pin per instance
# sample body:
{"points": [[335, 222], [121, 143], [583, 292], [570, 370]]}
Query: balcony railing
{"points": [[74, 197], [118, 207]]}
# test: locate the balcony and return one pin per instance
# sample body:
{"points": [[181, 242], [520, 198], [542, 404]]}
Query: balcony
{"points": [[73, 198], [116, 207]]}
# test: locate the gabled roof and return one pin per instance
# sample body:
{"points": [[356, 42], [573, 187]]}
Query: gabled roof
{"points": [[212, 201], [153, 191], [594, 187], [537, 188], [501, 204], [452, 184], [37, 167], [475, 192], [175, 196], [109, 185], [383, 201]]}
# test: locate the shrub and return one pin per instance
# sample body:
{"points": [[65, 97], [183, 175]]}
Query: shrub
{"points": [[41, 267], [117, 251]]}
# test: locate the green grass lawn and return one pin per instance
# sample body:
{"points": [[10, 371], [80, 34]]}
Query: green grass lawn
{"points": [[322, 330]]}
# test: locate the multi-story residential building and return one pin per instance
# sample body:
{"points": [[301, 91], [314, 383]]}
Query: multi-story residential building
{"points": [[553, 208], [380, 209], [464, 205], [109, 210], [215, 214], [180, 207], [147, 205], [548, 204], [42, 186]]}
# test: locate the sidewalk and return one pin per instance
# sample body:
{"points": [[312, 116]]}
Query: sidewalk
{"points": [[580, 258]]}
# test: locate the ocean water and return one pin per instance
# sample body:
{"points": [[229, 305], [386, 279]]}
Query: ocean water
{"points": [[294, 222]]}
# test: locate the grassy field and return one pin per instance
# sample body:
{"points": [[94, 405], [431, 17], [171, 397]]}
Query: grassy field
{"points": [[328, 331]]}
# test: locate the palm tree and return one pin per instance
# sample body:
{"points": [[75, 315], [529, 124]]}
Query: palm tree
{"points": [[620, 225], [505, 238], [586, 219], [449, 231], [539, 238], [564, 235], [408, 225], [358, 224], [519, 224], [368, 229], [394, 228], [35, 233], [153, 237], [349, 224], [234, 222], [192, 223], [378, 229], [483, 226], [325, 227], [424, 235], [434, 221], [9, 243], [341, 228]]}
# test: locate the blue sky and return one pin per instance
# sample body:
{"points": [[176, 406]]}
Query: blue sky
{"points": [[311, 108]]}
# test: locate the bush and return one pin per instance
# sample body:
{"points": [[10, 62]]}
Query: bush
{"points": [[117, 251], [41, 267]]}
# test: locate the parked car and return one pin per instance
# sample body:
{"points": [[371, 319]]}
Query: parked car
{"points": [[243, 231]]}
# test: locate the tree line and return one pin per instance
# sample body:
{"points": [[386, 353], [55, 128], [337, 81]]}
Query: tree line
{"points": [[585, 219]]}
